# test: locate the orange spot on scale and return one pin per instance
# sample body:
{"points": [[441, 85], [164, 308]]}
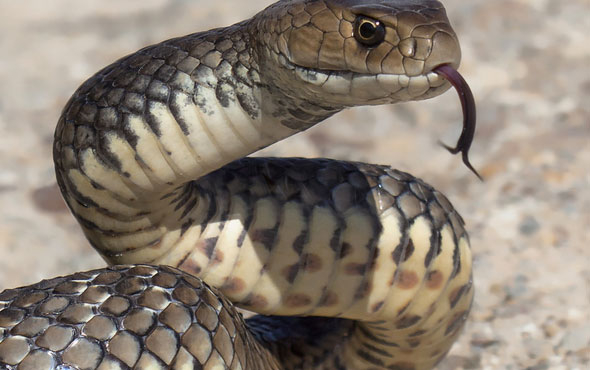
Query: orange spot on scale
{"points": [[233, 285], [297, 300], [434, 280], [407, 279]]}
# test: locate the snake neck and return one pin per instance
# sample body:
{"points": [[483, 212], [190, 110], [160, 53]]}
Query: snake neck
{"points": [[141, 129]]}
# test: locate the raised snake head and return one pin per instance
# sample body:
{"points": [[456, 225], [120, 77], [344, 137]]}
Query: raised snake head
{"points": [[357, 53], [348, 52]]}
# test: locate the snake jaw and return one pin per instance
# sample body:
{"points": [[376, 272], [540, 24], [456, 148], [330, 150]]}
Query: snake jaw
{"points": [[347, 88], [469, 114]]}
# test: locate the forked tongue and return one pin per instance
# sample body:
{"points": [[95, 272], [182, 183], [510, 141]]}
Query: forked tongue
{"points": [[468, 105]]}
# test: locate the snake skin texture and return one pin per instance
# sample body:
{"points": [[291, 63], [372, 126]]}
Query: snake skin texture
{"points": [[352, 265], [171, 320]]}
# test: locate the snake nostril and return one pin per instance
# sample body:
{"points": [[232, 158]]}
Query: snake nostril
{"points": [[445, 50]]}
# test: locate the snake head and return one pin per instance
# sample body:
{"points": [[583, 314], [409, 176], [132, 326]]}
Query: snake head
{"points": [[358, 53], [361, 53]]}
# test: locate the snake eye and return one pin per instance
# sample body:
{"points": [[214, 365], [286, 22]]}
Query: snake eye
{"points": [[367, 31]]}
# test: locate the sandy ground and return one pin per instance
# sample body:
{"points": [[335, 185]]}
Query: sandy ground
{"points": [[527, 63]]}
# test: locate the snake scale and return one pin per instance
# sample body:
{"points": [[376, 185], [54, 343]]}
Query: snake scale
{"points": [[351, 265]]}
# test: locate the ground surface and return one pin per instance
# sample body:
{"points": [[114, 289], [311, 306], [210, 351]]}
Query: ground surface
{"points": [[527, 63]]}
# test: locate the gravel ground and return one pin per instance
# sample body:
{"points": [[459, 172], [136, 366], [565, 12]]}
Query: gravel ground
{"points": [[527, 63]]}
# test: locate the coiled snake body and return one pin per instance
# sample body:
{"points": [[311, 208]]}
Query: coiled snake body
{"points": [[360, 266]]}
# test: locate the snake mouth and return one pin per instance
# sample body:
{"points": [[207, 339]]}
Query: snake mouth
{"points": [[469, 116]]}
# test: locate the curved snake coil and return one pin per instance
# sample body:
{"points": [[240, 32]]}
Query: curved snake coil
{"points": [[352, 265]]}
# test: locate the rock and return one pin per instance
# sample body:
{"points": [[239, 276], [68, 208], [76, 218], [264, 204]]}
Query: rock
{"points": [[576, 339]]}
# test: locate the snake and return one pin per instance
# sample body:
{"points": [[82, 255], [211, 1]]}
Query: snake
{"points": [[348, 265]]}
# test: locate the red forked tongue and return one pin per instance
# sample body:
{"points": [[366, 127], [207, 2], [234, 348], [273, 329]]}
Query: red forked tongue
{"points": [[468, 105]]}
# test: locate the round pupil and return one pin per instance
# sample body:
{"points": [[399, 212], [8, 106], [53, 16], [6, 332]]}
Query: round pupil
{"points": [[367, 30]]}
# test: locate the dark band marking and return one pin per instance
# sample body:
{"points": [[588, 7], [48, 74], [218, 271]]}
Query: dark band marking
{"points": [[456, 323], [355, 268], [328, 299], [369, 358], [207, 246], [403, 251], [456, 294], [407, 321], [345, 250]]}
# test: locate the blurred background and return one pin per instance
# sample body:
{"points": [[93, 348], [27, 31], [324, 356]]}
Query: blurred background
{"points": [[528, 64]]}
